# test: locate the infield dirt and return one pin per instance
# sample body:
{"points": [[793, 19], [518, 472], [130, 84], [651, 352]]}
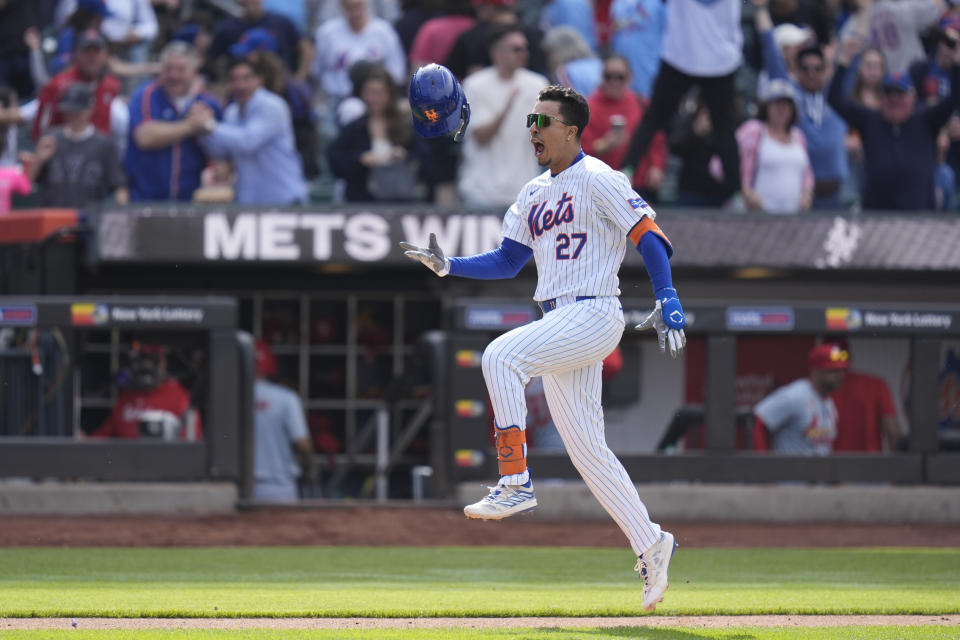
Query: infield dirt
{"points": [[429, 526]]}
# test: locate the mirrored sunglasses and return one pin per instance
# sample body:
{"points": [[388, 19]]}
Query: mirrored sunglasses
{"points": [[542, 120]]}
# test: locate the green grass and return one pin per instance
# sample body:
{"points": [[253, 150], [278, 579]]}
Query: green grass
{"points": [[633, 633], [499, 582]]}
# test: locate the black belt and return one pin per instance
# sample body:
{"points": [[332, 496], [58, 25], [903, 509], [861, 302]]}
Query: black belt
{"points": [[551, 304]]}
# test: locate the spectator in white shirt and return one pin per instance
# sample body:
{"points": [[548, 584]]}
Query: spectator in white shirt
{"points": [[131, 28], [497, 161], [355, 36]]}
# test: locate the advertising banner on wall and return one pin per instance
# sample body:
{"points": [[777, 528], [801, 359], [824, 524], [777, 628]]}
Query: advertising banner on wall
{"points": [[202, 235]]}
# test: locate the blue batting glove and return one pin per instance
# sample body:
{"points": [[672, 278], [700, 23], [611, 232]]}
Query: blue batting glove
{"points": [[672, 311]]}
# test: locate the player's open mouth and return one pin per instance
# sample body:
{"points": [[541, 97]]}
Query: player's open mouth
{"points": [[537, 148]]}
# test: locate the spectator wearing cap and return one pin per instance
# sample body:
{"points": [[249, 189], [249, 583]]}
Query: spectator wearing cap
{"points": [[164, 159], [296, 51], [89, 67], [899, 139], [801, 418], [571, 61], [615, 112], [895, 27], [825, 131], [256, 136], [636, 34], [790, 39], [130, 28], [471, 51], [76, 165], [356, 35], [496, 159], [81, 16], [775, 174], [283, 449], [259, 46], [17, 17]]}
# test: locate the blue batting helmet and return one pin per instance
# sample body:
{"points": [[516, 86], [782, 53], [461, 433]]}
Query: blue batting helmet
{"points": [[439, 105]]}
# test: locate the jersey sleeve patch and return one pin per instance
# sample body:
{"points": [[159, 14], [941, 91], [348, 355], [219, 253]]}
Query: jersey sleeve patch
{"points": [[637, 203], [643, 226]]}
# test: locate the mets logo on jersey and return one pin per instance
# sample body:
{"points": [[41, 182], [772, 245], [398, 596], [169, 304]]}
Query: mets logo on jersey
{"points": [[540, 219], [431, 115], [637, 203]]}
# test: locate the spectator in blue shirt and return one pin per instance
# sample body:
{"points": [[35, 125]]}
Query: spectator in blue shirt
{"points": [[258, 46], [899, 139], [571, 13], [637, 27], [256, 136], [296, 51], [163, 158], [823, 128]]}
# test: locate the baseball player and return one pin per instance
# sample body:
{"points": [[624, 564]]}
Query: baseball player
{"points": [[575, 219], [800, 418]]}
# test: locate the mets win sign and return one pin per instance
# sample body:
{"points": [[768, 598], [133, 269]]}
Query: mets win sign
{"points": [[196, 236]]}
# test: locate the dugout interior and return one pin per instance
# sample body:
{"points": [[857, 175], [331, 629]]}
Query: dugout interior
{"points": [[347, 315]]}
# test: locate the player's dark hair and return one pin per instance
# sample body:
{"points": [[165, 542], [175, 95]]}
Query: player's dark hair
{"points": [[573, 106]]}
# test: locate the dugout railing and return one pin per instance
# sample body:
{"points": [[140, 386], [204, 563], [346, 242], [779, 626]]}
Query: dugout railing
{"points": [[225, 451], [461, 408]]}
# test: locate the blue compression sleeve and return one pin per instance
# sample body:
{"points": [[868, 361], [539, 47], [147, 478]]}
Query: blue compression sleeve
{"points": [[654, 254], [503, 262]]}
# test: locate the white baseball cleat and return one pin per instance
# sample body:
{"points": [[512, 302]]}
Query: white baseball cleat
{"points": [[504, 500], [652, 565]]}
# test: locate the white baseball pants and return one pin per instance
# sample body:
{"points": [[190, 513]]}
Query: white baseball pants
{"points": [[566, 347]]}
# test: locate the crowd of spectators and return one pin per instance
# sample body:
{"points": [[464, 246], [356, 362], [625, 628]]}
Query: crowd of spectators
{"points": [[776, 106]]}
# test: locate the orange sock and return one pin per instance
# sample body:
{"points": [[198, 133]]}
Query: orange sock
{"points": [[511, 450]]}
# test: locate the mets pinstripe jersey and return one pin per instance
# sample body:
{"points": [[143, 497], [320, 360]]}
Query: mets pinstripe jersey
{"points": [[577, 223]]}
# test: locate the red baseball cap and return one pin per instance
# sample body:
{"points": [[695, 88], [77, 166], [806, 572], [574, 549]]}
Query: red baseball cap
{"points": [[829, 356], [266, 362]]}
